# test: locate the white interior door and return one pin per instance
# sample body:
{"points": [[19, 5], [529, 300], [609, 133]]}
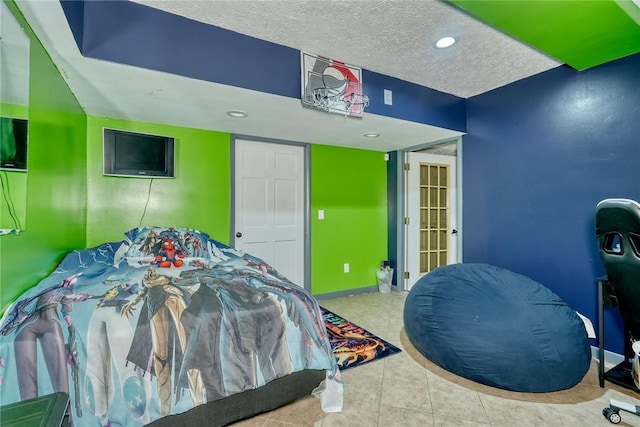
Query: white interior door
{"points": [[431, 235], [269, 205]]}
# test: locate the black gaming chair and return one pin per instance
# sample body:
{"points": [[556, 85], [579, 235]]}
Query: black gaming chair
{"points": [[618, 233]]}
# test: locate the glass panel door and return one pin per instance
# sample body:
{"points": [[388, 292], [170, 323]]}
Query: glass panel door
{"points": [[430, 214], [434, 216]]}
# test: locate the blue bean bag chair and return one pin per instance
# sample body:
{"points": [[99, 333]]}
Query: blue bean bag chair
{"points": [[498, 328]]}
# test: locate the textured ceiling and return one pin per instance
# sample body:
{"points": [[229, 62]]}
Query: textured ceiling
{"points": [[394, 38]]}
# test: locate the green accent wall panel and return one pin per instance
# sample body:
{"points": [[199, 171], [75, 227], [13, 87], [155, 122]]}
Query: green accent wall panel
{"points": [[12, 110], [350, 186], [580, 33], [198, 197], [56, 179]]}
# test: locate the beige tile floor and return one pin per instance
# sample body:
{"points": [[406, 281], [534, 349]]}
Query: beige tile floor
{"points": [[406, 389]]}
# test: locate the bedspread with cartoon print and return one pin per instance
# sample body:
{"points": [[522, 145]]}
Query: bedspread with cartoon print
{"points": [[134, 333]]}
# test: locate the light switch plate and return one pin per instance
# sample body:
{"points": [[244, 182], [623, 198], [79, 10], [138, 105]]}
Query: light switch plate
{"points": [[388, 97]]}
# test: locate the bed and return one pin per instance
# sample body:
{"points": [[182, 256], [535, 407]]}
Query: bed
{"points": [[166, 327]]}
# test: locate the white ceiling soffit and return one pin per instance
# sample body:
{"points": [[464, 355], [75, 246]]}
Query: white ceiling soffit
{"points": [[392, 38], [14, 60]]}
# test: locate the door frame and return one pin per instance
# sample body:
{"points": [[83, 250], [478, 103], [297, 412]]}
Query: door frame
{"points": [[306, 197], [401, 207], [413, 239]]}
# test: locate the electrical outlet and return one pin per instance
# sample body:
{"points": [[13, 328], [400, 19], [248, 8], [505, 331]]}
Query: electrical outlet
{"points": [[321, 214], [346, 267]]}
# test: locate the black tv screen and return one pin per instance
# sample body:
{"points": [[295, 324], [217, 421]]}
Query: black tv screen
{"points": [[13, 144], [137, 155]]}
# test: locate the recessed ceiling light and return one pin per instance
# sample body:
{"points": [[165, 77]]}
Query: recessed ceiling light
{"points": [[372, 134], [445, 42], [237, 113]]}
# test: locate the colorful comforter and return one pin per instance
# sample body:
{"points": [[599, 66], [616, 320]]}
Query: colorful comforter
{"points": [[155, 325]]}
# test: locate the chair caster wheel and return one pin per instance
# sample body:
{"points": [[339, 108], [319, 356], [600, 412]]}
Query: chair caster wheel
{"points": [[611, 415]]}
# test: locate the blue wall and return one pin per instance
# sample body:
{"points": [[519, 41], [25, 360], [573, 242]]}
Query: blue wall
{"points": [[539, 155]]}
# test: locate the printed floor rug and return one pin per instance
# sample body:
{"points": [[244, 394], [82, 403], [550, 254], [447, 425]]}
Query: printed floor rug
{"points": [[353, 345]]}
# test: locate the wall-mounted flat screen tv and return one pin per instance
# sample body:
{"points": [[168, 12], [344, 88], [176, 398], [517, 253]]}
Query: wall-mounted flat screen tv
{"points": [[138, 155], [13, 144]]}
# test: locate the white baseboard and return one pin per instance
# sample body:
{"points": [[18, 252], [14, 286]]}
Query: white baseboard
{"points": [[611, 359]]}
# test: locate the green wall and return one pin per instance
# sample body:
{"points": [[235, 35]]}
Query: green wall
{"points": [[350, 186], [56, 181], [199, 196]]}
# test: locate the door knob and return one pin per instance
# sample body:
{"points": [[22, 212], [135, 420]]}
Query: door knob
{"points": [[238, 234], [454, 231]]}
